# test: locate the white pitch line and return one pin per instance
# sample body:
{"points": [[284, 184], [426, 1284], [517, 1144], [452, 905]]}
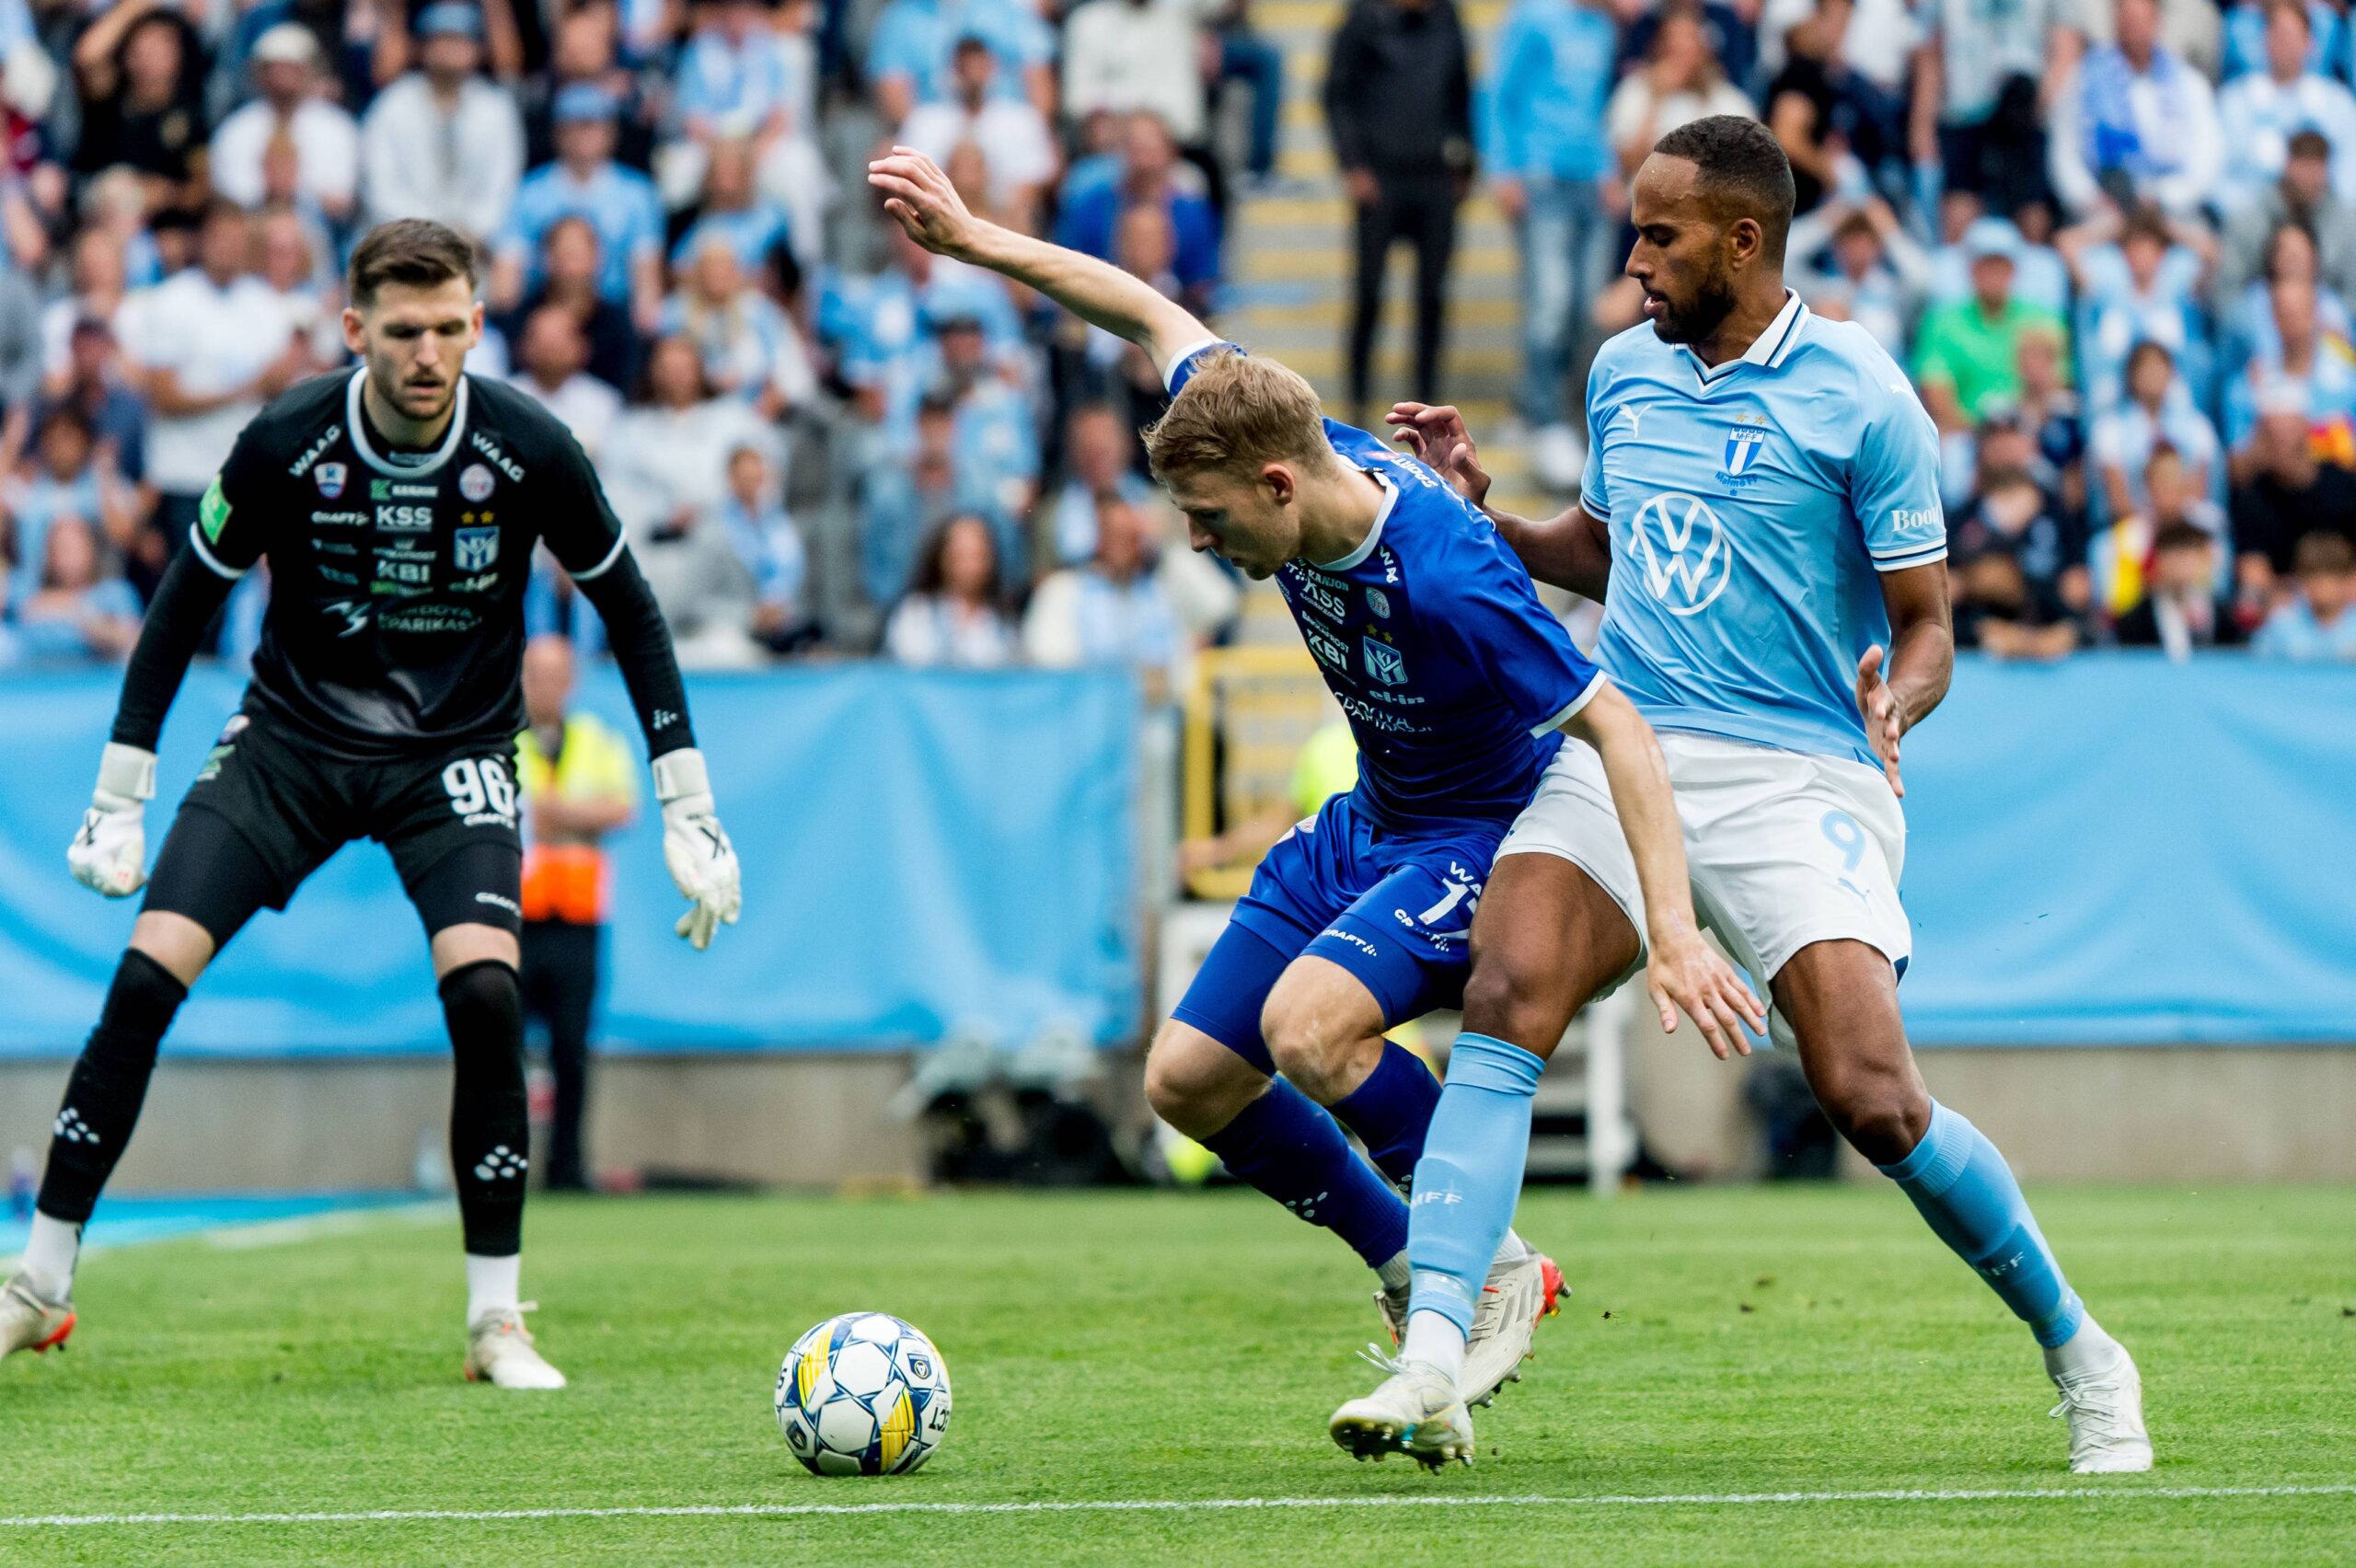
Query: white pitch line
{"points": [[2091, 1493]]}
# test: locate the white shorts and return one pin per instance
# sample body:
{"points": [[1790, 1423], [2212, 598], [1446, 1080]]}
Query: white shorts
{"points": [[1785, 848]]}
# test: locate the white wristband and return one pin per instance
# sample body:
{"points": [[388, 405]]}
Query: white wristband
{"points": [[681, 773], [127, 771]]}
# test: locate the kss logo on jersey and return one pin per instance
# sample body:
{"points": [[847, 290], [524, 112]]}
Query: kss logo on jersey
{"points": [[1743, 442], [476, 549], [330, 477], [1385, 663]]}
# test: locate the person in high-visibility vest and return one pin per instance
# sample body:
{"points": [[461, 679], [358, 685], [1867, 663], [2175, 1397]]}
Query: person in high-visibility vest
{"points": [[578, 787]]}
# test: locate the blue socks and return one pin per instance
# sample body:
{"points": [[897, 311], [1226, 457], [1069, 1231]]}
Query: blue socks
{"points": [[1391, 1110], [1469, 1176], [1285, 1145], [1967, 1193]]}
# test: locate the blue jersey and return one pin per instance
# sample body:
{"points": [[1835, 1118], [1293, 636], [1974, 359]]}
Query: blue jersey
{"points": [[1452, 675], [1752, 507]]}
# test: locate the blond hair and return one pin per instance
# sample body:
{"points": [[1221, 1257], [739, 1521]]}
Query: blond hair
{"points": [[1236, 413]]}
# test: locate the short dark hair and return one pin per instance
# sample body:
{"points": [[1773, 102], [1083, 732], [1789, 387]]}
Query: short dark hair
{"points": [[416, 252], [2324, 553], [1743, 171], [2183, 536]]}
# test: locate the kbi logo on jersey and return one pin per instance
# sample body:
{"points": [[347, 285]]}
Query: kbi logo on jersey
{"points": [[1744, 440], [329, 478], [1683, 548], [476, 549]]}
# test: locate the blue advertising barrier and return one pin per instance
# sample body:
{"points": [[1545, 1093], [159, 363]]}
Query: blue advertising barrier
{"points": [[922, 853], [2110, 851], [2117, 850]]}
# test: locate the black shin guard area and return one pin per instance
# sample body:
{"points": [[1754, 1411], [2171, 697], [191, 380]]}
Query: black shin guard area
{"points": [[489, 1131], [108, 1084]]}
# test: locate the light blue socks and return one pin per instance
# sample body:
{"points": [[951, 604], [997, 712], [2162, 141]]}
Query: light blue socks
{"points": [[1470, 1176], [1967, 1193]]}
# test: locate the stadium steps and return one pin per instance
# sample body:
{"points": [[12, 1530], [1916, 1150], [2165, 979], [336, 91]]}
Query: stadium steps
{"points": [[1289, 266]]}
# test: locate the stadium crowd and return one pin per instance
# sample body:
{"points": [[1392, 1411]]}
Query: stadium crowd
{"points": [[2113, 240]]}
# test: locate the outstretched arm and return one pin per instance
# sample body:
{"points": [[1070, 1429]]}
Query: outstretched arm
{"points": [[1684, 971], [1571, 549], [920, 199]]}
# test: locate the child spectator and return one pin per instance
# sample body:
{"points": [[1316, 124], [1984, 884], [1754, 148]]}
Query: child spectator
{"points": [[769, 548], [77, 613], [2183, 611], [2318, 623]]}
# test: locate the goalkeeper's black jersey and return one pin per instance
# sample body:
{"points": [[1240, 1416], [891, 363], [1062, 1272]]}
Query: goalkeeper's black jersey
{"points": [[396, 579]]}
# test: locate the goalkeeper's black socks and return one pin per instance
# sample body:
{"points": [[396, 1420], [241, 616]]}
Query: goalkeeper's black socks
{"points": [[489, 1126], [108, 1086]]}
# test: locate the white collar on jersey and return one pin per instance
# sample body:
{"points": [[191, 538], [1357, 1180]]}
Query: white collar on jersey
{"points": [[355, 421], [1373, 534], [1770, 349]]}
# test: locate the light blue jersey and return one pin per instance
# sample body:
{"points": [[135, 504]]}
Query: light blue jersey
{"points": [[1752, 508]]}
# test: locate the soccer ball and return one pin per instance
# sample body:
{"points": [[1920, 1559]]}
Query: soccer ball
{"points": [[864, 1394]]}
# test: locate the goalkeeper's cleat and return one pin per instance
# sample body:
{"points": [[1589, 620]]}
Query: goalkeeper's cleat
{"points": [[1517, 1295], [1414, 1411], [499, 1352], [2105, 1408], [30, 1320]]}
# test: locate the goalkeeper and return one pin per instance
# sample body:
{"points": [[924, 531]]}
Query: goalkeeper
{"points": [[398, 505]]}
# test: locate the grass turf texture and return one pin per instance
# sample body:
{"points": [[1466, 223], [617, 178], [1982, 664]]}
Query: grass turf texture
{"points": [[1161, 1346]]}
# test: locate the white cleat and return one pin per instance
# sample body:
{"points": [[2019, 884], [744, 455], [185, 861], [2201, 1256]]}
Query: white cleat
{"points": [[499, 1352], [2105, 1408], [1518, 1294], [30, 1320], [1414, 1411]]}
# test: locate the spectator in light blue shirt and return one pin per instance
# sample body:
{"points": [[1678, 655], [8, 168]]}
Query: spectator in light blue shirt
{"points": [[1112, 611], [2319, 623], [2259, 113], [1099, 456], [903, 500], [2246, 38], [1554, 176], [908, 55], [77, 613], [768, 544], [2142, 289], [735, 210], [732, 77], [66, 482], [883, 328], [585, 181]]}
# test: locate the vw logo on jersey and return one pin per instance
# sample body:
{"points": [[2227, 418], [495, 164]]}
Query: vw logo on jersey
{"points": [[476, 482], [1743, 442], [1385, 663], [1378, 602], [476, 549], [1682, 548], [329, 478]]}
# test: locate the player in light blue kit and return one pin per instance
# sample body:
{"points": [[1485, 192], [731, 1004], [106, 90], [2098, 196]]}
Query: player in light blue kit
{"points": [[1762, 497], [1460, 688]]}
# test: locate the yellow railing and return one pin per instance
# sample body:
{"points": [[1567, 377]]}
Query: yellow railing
{"points": [[1248, 713]]}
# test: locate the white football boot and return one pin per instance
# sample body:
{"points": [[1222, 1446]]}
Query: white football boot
{"points": [[2105, 1408], [1416, 1412], [499, 1352], [1518, 1294], [30, 1320]]}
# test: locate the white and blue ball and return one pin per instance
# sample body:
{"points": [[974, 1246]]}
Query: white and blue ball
{"points": [[864, 1394]]}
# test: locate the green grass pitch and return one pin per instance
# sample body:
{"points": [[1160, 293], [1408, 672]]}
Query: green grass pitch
{"points": [[1187, 1349]]}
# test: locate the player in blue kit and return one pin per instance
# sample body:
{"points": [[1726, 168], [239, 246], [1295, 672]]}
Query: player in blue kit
{"points": [[1762, 500], [1459, 689]]}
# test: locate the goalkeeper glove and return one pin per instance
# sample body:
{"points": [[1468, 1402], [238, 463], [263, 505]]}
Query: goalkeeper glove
{"points": [[695, 847], [110, 852]]}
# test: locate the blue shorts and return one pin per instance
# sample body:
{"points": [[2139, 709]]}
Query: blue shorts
{"points": [[1393, 910]]}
